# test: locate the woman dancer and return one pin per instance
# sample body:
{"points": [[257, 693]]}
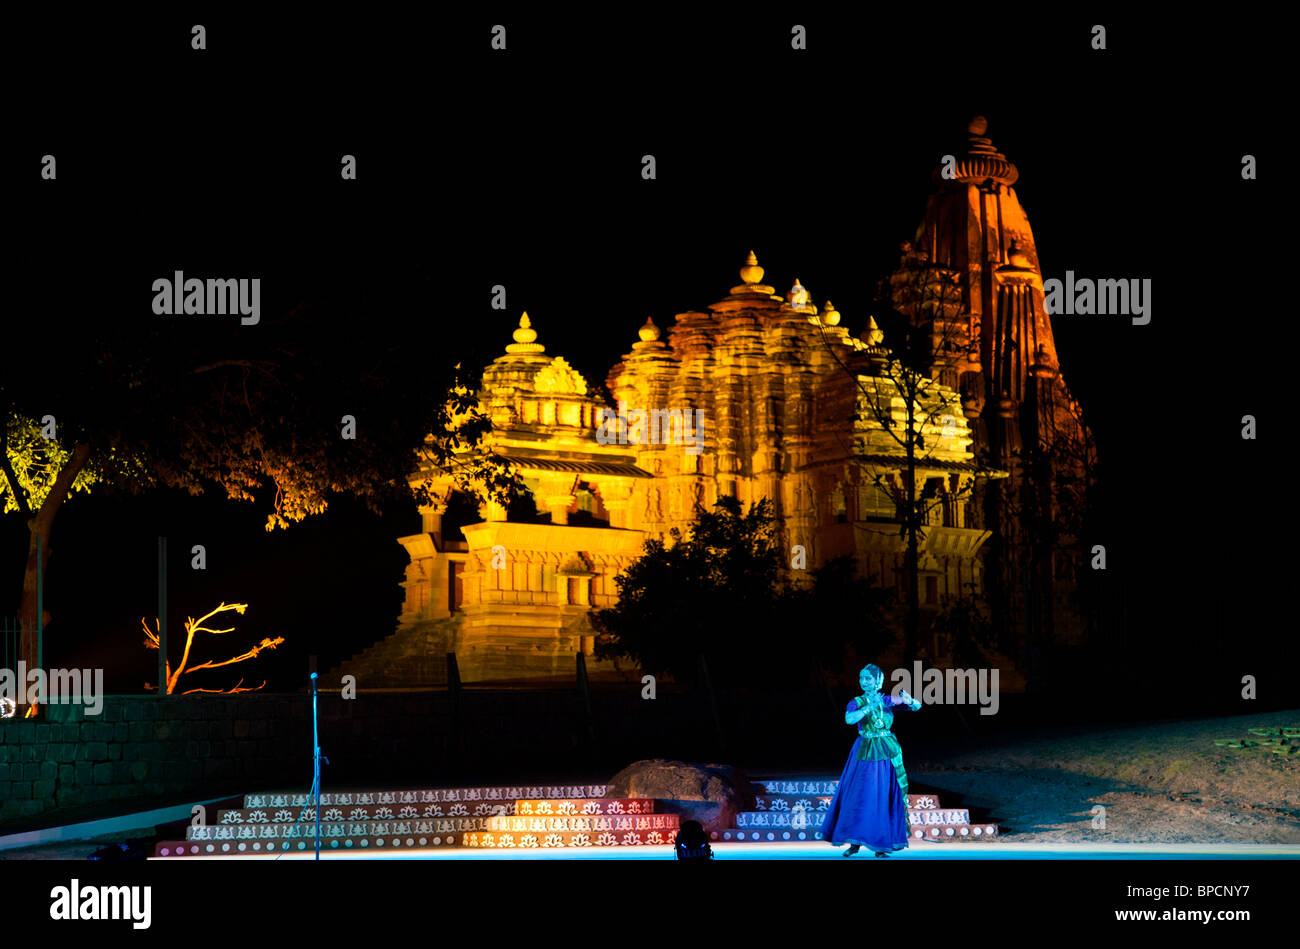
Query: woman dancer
{"points": [[870, 805]]}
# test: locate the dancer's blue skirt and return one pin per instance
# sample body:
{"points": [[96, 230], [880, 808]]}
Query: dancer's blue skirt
{"points": [[869, 808]]}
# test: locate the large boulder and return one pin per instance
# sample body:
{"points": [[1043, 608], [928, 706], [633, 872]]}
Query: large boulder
{"points": [[710, 793]]}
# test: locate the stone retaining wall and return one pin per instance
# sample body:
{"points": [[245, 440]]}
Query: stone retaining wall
{"points": [[205, 745]]}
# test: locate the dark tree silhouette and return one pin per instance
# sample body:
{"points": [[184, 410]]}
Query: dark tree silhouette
{"points": [[897, 391], [722, 591], [254, 412]]}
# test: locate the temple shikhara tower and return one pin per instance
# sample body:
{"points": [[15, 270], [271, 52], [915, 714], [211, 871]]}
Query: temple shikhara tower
{"points": [[971, 281], [766, 395]]}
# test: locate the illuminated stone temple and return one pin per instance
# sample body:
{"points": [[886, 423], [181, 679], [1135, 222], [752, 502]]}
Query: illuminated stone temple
{"points": [[760, 395], [750, 398], [971, 280]]}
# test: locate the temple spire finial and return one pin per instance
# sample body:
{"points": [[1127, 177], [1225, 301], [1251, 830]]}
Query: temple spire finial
{"points": [[649, 332], [525, 333], [751, 273], [872, 335], [980, 162], [525, 338], [799, 298]]}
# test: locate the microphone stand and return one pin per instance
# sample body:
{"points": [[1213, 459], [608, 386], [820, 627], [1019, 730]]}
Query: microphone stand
{"points": [[316, 759]]}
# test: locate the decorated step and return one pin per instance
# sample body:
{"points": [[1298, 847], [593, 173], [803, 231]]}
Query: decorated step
{"points": [[814, 787], [579, 806], [587, 824], [785, 802], [769, 802], [429, 795], [406, 811], [794, 819], [307, 829], [922, 802], [270, 848], [802, 819], [946, 833], [754, 835], [942, 816], [529, 840], [357, 812], [951, 832]]}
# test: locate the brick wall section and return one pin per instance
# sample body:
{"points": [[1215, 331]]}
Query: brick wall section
{"points": [[209, 746]]}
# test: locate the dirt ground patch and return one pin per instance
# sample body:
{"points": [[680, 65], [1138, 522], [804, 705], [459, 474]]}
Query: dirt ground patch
{"points": [[1164, 782]]}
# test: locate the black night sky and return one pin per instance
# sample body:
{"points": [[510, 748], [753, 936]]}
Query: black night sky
{"points": [[525, 171]]}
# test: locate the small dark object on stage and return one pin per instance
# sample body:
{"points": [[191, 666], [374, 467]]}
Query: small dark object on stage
{"points": [[126, 850], [692, 842]]}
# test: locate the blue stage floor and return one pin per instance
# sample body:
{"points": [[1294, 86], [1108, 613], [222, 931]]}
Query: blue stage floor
{"points": [[785, 851]]}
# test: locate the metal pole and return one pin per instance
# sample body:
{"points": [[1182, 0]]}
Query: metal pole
{"points": [[315, 740], [162, 616]]}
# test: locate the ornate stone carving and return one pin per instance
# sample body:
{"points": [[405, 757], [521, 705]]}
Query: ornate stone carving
{"points": [[560, 377]]}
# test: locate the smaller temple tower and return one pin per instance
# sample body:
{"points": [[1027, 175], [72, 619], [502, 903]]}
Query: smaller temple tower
{"points": [[512, 599]]}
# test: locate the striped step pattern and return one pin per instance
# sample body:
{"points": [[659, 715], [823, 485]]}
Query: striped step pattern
{"points": [[560, 838], [367, 812], [795, 818], [428, 796], [822, 788], [577, 807], [271, 848], [793, 811], [334, 812], [802, 819], [944, 816], [952, 832], [769, 802], [662, 822], [548, 816], [625, 823], [307, 828], [768, 835], [785, 802], [525, 817], [939, 833]]}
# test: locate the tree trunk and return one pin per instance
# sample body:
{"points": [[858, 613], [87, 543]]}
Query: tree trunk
{"points": [[38, 550], [912, 631], [913, 595]]}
